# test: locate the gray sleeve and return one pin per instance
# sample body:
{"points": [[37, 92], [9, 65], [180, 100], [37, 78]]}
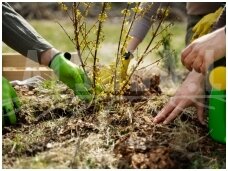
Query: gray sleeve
{"points": [[144, 21], [20, 35]]}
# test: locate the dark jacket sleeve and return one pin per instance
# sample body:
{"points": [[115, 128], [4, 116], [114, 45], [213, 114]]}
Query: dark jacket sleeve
{"points": [[20, 35]]}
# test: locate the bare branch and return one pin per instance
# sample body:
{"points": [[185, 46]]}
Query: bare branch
{"points": [[118, 50], [72, 40], [76, 32], [97, 45]]}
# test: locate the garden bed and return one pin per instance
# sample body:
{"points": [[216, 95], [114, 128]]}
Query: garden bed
{"points": [[57, 130]]}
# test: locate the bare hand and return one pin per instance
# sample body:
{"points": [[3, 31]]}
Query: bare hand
{"points": [[191, 93], [204, 51]]}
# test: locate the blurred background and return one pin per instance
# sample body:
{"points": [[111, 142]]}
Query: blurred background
{"points": [[49, 10]]}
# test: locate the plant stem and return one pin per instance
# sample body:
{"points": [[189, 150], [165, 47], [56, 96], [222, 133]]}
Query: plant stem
{"points": [[72, 40], [118, 50], [76, 23], [132, 22], [156, 31], [151, 63], [86, 43], [97, 45]]}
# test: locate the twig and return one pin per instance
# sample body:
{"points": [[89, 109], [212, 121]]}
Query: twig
{"points": [[156, 31], [132, 22], [72, 40], [86, 9], [151, 64], [76, 32], [67, 12], [120, 39], [97, 45], [84, 39], [91, 28], [165, 28]]}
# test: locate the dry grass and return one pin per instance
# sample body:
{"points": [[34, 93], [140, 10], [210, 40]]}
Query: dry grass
{"points": [[56, 130]]}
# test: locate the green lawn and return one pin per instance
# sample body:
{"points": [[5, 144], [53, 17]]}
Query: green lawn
{"points": [[52, 32]]}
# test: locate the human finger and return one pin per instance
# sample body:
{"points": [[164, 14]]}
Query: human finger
{"points": [[185, 52], [197, 64], [177, 110], [164, 112], [189, 59], [202, 68], [200, 115]]}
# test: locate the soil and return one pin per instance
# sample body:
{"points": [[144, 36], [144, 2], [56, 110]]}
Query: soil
{"points": [[57, 130]]}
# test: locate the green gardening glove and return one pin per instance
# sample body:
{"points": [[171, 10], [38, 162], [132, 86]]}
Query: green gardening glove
{"points": [[10, 103], [205, 25], [72, 75]]}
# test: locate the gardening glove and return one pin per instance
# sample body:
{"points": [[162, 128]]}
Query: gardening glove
{"points": [[10, 103], [72, 75], [124, 64], [205, 24], [106, 73]]}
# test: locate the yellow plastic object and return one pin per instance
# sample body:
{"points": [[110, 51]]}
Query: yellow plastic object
{"points": [[205, 24], [217, 78]]}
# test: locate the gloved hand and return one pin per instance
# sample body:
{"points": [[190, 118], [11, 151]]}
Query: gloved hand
{"points": [[72, 75], [124, 64], [106, 73], [10, 103], [205, 24]]}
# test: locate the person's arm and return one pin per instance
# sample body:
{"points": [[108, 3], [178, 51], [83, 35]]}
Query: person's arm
{"points": [[190, 93], [21, 36], [204, 51], [207, 49], [133, 44], [143, 23], [139, 30]]}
